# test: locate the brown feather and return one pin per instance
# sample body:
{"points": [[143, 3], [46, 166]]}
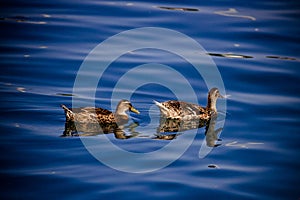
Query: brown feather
{"points": [[189, 111]]}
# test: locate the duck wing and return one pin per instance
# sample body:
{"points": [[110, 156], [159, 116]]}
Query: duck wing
{"points": [[169, 108], [191, 109], [182, 108], [98, 111], [102, 111]]}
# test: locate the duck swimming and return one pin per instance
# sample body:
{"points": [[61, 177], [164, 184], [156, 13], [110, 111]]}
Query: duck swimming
{"points": [[100, 115], [188, 111]]}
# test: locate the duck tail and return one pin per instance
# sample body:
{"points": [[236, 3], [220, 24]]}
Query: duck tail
{"points": [[69, 113], [162, 108], [158, 104]]}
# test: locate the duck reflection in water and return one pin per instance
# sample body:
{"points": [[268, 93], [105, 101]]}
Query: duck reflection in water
{"points": [[211, 133], [177, 126], [93, 121]]}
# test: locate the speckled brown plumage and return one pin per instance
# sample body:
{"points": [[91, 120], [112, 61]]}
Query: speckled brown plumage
{"points": [[99, 115], [188, 111], [93, 121]]}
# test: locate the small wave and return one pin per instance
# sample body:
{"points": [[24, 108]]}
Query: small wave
{"points": [[229, 55], [281, 57], [178, 8]]}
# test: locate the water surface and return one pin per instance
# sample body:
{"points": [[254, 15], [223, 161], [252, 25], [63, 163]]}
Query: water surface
{"points": [[255, 46]]}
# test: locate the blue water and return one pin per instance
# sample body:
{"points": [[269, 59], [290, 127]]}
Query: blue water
{"points": [[255, 45]]}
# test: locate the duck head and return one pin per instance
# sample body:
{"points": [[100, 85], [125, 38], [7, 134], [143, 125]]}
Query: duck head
{"points": [[123, 106], [213, 95]]}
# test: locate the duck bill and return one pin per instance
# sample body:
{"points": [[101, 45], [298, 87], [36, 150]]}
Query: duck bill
{"points": [[222, 97], [132, 109]]}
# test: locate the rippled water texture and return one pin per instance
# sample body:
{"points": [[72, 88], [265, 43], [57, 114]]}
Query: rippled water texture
{"points": [[254, 44]]}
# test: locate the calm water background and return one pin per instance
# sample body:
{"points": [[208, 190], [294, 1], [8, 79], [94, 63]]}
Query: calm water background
{"points": [[255, 45]]}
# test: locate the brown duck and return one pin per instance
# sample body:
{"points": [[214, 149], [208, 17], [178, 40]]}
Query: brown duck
{"points": [[188, 111], [100, 115]]}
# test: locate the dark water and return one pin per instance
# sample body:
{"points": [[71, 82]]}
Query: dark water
{"points": [[255, 45]]}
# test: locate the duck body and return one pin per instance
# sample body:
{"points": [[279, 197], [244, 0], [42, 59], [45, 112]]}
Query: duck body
{"points": [[99, 115], [181, 110], [93, 121], [88, 115]]}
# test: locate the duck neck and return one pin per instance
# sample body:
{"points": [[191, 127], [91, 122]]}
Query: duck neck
{"points": [[211, 104], [120, 112], [121, 116]]}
